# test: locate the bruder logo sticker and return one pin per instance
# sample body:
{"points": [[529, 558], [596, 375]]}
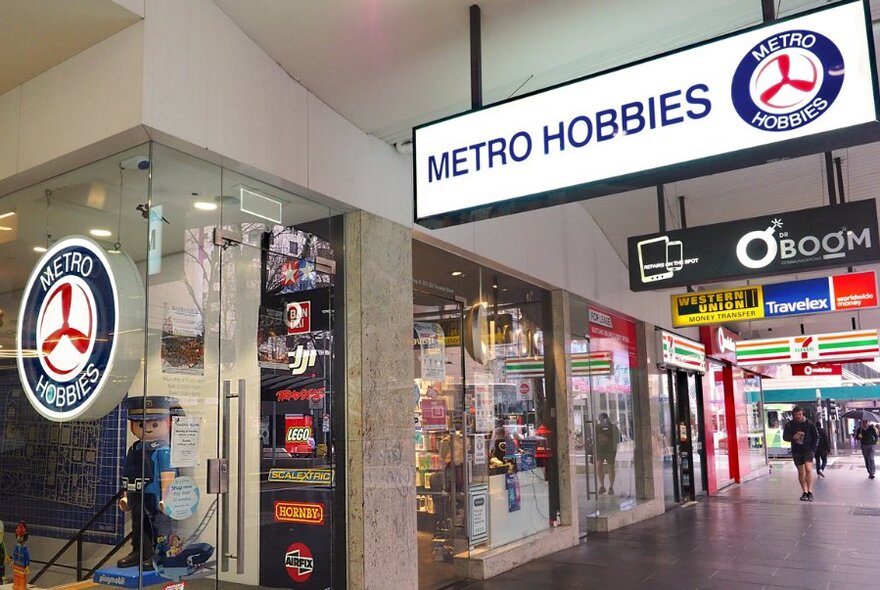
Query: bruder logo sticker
{"points": [[77, 354], [787, 80]]}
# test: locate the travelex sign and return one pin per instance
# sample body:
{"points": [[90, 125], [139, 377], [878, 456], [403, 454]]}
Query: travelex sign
{"points": [[77, 352], [836, 293], [626, 128], [808, 239]]}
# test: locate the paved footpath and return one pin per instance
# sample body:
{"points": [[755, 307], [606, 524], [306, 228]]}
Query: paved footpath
{"points": [[757, 535]]}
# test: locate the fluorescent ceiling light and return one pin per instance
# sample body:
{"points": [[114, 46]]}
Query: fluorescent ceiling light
{"points": [[40, 249], [101, 233], [205, 206], [5, 215], [4, 228]]}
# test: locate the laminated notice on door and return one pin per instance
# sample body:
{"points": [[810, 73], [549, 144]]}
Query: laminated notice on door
{"points": [[185, 432]]}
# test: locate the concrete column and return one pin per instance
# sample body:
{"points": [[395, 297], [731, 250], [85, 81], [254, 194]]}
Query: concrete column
{"points": [[380, 476], [560, 372], [647, 413]]}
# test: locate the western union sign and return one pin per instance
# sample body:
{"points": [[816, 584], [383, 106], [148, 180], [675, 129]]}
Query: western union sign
{"points": [[730, 305]]}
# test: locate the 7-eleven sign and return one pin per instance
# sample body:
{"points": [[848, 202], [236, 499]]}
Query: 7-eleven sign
{"points": [[835, 347], [806, 346]]}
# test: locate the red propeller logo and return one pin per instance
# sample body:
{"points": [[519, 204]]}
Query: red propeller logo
{"points": [[66, 328], [779, 87]]}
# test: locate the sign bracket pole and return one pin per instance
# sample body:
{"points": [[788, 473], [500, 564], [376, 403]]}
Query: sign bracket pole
{"points": [[476, 58], [661, 208]]}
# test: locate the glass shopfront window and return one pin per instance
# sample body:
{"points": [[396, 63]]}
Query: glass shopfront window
{"points": [[603, 366], [717, 427], [209, 454], [484, 411], [754, 413]]}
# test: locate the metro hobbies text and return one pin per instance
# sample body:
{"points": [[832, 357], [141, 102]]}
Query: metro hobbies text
{"points": [[630, 118]]}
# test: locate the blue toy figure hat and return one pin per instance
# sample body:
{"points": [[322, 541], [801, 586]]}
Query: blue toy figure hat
{"points": [[152, 406]]}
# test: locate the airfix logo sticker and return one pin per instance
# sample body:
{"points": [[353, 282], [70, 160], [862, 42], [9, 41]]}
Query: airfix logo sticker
{"points": [[73, 344], [298, 317], [299, 562], [300, 512], [787, 80], [302, 476]]}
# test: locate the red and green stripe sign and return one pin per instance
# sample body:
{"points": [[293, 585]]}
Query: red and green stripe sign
{"points": [[836, 346], [582, 365], [681, 352]]}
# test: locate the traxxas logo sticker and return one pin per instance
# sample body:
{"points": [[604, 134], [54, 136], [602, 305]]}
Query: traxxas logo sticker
{"points": [[72, 340], [787, 80]]}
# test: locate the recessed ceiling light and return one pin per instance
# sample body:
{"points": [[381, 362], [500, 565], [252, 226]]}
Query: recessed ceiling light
{"points": [[101, 233], [205, 206], [4, 228], [40, 249], [5, 215], [457, 273]]}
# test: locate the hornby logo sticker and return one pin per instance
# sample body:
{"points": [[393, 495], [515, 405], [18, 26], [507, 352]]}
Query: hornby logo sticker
{"points": [[300, 512], [299, 562], [787, 80], [77, 353]]}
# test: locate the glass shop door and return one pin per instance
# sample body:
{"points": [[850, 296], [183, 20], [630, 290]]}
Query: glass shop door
{"points": [[277, 378]]}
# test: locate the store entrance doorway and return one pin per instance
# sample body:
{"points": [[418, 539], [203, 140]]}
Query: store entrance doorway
{"points": [[689, 457], [440, 432]]}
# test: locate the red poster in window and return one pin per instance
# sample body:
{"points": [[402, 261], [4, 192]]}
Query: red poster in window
{"points": [[614, 333], [433, 413]]}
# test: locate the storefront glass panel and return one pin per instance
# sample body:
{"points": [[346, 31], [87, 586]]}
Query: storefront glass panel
{"points": [[485, 426], [232, 394], [717, 427], [603, 367], [754, 413]]}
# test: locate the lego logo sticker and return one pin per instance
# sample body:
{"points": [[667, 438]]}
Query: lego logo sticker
{"points": [[77, 355], [787, 80], [299, 562]]}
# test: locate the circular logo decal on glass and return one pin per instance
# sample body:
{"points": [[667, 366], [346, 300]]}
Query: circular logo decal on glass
{"points": [[788, 80], [299, 562], [69, 330]]}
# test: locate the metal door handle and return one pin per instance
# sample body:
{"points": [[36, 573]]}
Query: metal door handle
{"points": [[238, 556]]}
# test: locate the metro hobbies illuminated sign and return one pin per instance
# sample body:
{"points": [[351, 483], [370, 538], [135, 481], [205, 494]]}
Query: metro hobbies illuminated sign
{"points": [[808, 239], [77, 353], [728, 104]]}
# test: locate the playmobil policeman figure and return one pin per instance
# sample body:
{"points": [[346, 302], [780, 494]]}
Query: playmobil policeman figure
{"points": [[147, 473]]}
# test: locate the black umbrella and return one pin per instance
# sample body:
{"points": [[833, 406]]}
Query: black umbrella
{"points": [[861, 415]]}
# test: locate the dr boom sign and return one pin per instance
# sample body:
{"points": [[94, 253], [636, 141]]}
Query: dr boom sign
{"points": [[77, 351], [733, 100], [808, 239]]}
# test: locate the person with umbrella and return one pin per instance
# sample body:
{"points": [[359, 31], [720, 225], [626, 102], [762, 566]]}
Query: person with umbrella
{"points": [[867, 435]]}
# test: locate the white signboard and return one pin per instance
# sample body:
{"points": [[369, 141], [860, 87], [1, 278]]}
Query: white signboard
{"points": [[478, 514], [484, 403], [185, 433], [787, 80]]}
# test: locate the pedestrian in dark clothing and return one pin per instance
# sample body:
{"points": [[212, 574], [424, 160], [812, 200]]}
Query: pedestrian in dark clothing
{"points": [[804, 439], [822, 450], [867, 435]]}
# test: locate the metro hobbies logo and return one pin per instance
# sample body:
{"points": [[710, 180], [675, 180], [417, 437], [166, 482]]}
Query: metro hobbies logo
{"points": [[787, 80], [68, 324]]}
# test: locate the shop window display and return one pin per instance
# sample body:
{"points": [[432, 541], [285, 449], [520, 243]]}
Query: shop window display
{"points": [[222, 458], [484, 427]]}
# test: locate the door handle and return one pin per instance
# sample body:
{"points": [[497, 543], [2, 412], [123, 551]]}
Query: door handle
{"points": [[238, 555]]}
